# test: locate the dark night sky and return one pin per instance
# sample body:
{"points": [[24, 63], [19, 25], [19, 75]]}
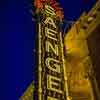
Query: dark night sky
{"points": [[17, 40]]}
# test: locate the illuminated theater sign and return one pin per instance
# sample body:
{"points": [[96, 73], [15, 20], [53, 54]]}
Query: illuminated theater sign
{"points": [[50, 68]]}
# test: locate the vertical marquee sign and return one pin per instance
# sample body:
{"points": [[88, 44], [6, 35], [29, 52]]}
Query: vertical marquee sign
{"points": [[50, 53]]}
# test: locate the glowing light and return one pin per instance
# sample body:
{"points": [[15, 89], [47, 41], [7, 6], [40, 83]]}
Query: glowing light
{"points": [[38, 4], [58, 10]]}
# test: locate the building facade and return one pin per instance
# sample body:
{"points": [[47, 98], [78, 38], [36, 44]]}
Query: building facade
{"points": [[82, 56]]}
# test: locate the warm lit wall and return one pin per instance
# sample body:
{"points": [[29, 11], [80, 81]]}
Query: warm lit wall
{"points": [[79, 65], [78, 62], [28, 94]]}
